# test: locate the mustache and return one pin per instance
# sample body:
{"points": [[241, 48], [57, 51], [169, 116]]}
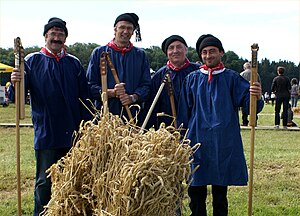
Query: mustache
{"points": [[56, 41]]}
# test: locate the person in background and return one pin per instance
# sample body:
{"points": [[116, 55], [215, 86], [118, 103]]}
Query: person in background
{"points": [[294, 92], [131, 64], [208, 108], [266, 97], [178, 66], [246, 74], [273, 98], [281, 87], [56, 81], [290, 122], [10, 92]]}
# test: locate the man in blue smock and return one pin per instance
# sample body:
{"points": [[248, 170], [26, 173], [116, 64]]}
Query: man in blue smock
{"points": [[56, 81], [208, 108], [178, 66], [131, 64]]}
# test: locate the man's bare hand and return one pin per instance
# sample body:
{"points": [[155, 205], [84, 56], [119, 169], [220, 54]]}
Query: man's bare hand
{"points": [[119, 89], [15, 76], [255, 90]]}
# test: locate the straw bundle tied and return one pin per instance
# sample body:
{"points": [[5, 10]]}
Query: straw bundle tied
{"points": [[114, 170]]}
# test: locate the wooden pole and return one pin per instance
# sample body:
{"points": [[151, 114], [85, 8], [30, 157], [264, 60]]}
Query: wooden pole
{"points": [[17, 97], [103, 74], [20, 110], [153, 104], [252, 123], [171, 95], [115, 74]]}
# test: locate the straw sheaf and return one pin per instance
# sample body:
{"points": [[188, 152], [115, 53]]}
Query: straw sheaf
{"points": [[113, 169]]}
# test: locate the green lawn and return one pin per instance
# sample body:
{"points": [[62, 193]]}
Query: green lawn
{"points": [[276, 169]]}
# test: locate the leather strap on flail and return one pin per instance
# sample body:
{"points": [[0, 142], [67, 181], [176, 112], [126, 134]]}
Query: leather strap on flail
{"points": [[105, 58]]}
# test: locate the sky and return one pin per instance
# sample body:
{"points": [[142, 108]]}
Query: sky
{"points": [[273, 24]]}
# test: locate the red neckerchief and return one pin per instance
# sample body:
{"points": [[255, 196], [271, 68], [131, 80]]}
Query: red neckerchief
{"points": [[123, 50], [211, 70], [57, 56], [185, 65]]}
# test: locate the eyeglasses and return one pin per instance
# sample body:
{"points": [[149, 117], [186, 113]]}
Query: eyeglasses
{"points": [[210, 51], [56, 34], [127, 28]]}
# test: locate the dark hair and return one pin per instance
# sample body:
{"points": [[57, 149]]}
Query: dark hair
{"points": [[280, 69]]}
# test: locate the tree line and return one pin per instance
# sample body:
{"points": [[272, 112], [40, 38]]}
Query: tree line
{"points": [[157, 58]]}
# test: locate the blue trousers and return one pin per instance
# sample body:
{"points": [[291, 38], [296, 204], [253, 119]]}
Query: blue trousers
{"points": [[198, 196], [42, 189]]}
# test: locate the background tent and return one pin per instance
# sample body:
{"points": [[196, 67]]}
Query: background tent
{"points": [[5, 71]]}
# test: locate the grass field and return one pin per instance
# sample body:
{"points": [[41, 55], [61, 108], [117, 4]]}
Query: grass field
{"points": [[276, 169]]}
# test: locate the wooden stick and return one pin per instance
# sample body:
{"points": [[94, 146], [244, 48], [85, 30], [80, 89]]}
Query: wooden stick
{"points": [[22, 84], [115, 74], [171, 95], [103, 73], [252, 123], [17, 97], [153, 104], [20, 110]]}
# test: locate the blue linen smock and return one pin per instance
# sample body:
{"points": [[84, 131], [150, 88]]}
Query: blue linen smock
{"points": [[133, 69], [55, 89], [210, 112], [163, 104]]}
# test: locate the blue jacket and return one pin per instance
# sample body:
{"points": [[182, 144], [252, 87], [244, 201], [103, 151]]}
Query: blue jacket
{"points": [[163, 104], [55, 89], [133, 69], [210, 112]]}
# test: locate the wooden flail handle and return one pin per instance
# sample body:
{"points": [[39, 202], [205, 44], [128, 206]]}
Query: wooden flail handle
{"points": [[103, 74], [253, 102], [162, 85], [171, 95], [20, 110], [253, 99], [19, 86], [115, 74]]}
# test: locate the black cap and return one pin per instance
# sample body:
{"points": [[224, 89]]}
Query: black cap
{"points": [[207, 40], [55, 22], [166, 43], [134, 19], [129, 17]]}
